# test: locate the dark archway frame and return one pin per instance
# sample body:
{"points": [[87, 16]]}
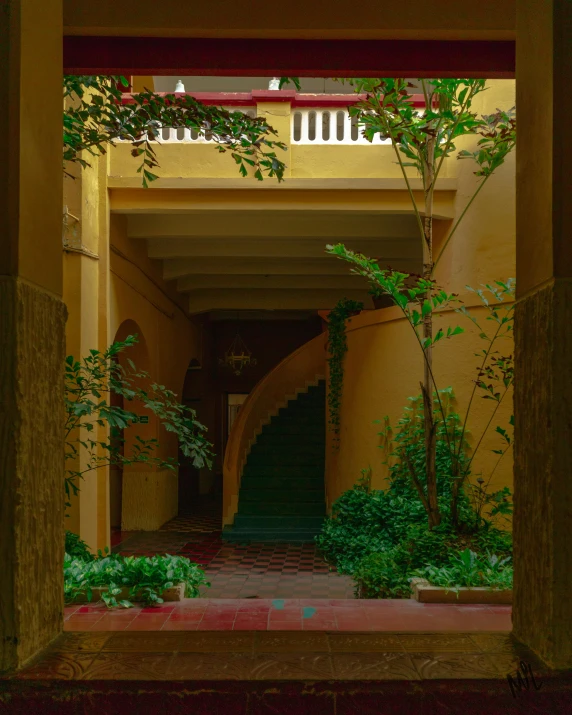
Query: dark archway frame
{"points": [[494, 59]]}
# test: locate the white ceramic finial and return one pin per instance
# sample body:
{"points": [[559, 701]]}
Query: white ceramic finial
{"points": [[180, 87], [274, 83]]}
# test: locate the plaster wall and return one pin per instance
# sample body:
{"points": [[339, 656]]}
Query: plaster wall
{"points": [[140, 301], [149, 499]]}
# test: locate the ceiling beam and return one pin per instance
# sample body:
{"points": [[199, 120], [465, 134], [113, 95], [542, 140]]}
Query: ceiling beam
{"points": [[386, 249], [250, 282], [195, 202], [272, 224], [225, 56], [272, 299], [174, 268]]}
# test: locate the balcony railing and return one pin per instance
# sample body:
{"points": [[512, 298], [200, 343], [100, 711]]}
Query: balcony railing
{"points": [[328, 126], [315, 119]]}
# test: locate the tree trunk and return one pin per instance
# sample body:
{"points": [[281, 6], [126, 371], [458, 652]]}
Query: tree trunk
{"points": [[430, 427]]}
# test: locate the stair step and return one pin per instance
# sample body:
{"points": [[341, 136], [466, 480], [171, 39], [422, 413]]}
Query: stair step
{"points": [[283, 470], [290, 441], [298, 447], [287, 483], [269, 494], [295, 428], [271, 508], [252, 521], [305, 536], [285, 458]]}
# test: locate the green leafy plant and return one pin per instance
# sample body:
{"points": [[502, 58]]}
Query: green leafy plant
{"points": [[495, 372], [97, 114], [77, 548], [337, 348], [380, 537], [468, 569], [145, 577], [423, 140], [95, 428]]}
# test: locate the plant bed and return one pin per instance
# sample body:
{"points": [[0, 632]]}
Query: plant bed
{"points": [[424, 592], [119, 580], [175, 593]]}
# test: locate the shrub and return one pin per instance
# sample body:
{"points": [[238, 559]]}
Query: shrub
{"points": [[469, 569], [387, 574], [146, 577], [77, 548], [381, 538]]}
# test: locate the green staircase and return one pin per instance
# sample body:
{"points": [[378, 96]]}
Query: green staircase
{"points": [[282, 487]]}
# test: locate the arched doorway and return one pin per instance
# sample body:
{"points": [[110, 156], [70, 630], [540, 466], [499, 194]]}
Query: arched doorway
{"points": [[138, 354]]}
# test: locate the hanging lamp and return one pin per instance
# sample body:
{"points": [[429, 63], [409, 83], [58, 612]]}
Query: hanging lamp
{"points": [[237, 356]]}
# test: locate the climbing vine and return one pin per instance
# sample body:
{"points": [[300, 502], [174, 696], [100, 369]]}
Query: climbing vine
{"points": [[337, 348]]}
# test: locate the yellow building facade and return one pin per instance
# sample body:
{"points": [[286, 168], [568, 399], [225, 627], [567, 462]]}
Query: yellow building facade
{"points": [[202, 245]]}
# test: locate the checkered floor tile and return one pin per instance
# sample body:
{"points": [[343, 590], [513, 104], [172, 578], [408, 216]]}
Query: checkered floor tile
{"points": [[240, 571]]}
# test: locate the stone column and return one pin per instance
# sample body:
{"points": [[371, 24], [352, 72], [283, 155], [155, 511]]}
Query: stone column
{"points": [[32, 319], [542, 611]]}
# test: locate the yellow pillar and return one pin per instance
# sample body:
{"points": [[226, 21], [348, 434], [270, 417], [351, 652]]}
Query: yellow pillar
{"points": [[86, 285], [542, 610], [276, 111], [31, 329]]}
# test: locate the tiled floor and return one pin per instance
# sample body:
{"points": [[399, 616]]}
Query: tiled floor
{"points": [[241, 571], [202, 614]]}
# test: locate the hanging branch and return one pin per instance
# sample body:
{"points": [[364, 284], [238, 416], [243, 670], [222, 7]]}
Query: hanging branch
{"points": [[97, 115]]}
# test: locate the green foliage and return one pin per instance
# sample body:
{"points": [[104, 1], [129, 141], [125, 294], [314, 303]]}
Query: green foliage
{"points": [[77, 548], [145, 577], [470, 569], [386, 574], [380, 537], [337, 347], [94, 428], [97, 115]]}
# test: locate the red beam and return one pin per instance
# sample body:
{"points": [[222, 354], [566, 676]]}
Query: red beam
{"points": [[250, 99], [291, 58]]}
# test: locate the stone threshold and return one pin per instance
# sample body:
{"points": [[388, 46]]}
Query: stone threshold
{"points": [[285, 655]]}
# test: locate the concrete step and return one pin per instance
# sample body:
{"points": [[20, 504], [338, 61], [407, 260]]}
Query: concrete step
{"points": [[282, 470], [271, 494], [288, 483], [283, 523], [271, 508]]}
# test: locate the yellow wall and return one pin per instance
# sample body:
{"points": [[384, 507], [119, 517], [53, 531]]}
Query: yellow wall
{"points": [[383, 365], [139, 294], [112, 289]]}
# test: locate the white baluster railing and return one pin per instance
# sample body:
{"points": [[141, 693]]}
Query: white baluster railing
{"points": [[339, 123]]}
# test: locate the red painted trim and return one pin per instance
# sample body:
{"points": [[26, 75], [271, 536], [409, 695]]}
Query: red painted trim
{"points": [[295, 58], [251, 99]]}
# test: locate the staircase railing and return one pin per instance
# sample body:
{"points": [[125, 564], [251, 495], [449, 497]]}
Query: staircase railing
{"points": [[302, 368]]}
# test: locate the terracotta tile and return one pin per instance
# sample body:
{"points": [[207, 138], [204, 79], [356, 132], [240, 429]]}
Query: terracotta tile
{"points": [[142, 642], [285, 626], [180, 626], [147, 624]]}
